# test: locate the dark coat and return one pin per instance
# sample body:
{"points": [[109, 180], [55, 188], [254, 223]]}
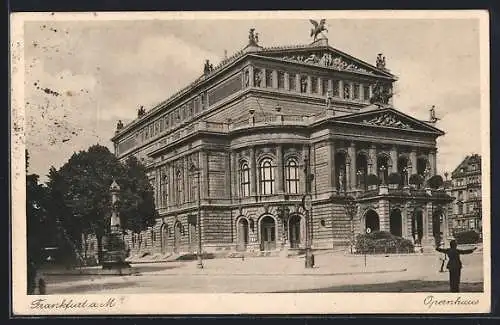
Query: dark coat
{"points": [[453, 254]]}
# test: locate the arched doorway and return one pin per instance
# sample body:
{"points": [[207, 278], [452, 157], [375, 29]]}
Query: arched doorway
{"points": [[417, 228], [361, 170], [383, 168], [242, 234], [372, 220], [395, 223], [294, 229], [164, 238], [177, 236], [267, 234], [437, 222], [403, 170], [340, 171]]}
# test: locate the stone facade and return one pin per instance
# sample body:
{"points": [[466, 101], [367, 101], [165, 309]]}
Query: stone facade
{"points": [[249, 128]]}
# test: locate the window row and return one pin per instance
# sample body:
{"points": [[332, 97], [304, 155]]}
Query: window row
{"points": [[267, 177], [312, 84]]}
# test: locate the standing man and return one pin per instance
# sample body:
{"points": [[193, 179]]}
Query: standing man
{"points": [[454, 265]]}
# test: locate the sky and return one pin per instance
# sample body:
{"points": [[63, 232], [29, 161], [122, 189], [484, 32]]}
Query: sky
{"points": [[81, 77]]}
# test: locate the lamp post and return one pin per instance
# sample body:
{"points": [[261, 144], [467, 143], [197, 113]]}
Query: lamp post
{"points": [[350, 208], [359, 173], [382, 171], [199, 258], [307, 204]]}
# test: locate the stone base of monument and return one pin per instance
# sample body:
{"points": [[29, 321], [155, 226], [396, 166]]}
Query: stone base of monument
{"points": [[113, 260]]}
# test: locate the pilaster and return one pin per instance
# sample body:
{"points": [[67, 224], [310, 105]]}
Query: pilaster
{"points": [[352, 170], [287, 81], [394, 159], [274, 81], [251, 76], [372, 153], [280, 169], [253, 173]]}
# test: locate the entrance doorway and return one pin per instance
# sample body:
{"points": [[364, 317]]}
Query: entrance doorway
{"points": [[395, 223], [294, 230], [164, 238], [177, 236], [268, 234], [372, 221], [242, 234]]}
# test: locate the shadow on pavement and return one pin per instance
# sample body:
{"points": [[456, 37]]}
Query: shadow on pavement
{"points": [[399, 286]]}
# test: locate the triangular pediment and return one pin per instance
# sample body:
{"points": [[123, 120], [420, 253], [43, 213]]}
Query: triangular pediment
{"points": [[389, 118], [325, 56]]}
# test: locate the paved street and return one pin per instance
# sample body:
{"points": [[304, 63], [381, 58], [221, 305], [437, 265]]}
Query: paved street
{"points": [[333, 273]]}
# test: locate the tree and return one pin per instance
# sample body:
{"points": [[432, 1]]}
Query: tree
{"points": [[435, 182], [81, 187]]}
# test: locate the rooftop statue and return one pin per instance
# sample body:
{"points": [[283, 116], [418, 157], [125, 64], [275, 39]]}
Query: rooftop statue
{"points": [[141, 111], [318, 28], [253, 38], [380, 61], [208, 67], [432, 112], [119, 125]]}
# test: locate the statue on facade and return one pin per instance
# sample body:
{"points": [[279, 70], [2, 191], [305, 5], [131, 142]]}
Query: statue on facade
{"points": [[141, 111], [318, 28], [208, 67], [341, 179], [257, 78], [303, 84], [247, 78], [253, 38], [381, 94], [119, 125], [380, 61], [432, 112]]}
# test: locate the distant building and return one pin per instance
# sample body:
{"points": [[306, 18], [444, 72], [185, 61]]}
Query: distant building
{"points": [[466, 210], [250, 127]]}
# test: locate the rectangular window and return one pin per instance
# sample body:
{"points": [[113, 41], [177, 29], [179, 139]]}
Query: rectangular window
{"points": [[347, 91], [324, 87], [314, 85], [366, 93], [335, 88], [356, 91], [281, 80], [269, 78], [291, 82]]}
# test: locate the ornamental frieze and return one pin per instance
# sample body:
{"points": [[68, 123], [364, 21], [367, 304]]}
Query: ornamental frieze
{"points": [[387, 119], [326, 60]]}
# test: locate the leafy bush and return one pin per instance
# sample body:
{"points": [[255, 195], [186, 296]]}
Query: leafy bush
{"points": [[372, 180], [435, 182], [416, 179], [381, 242], [394, 178], [467, 237]]}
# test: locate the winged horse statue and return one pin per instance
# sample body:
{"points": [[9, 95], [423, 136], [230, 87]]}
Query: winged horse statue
{"points": [[318, 28]]}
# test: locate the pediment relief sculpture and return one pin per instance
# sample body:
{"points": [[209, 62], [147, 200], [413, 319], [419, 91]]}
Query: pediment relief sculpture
{"points": [[387, 119], [326, 60]]}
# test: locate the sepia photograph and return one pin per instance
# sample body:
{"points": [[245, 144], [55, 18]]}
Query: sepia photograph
{"points": [[250, 162]]}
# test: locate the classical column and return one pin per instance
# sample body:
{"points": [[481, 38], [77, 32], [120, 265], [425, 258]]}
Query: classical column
{"points": [[432, 162], [372, 152], [274, 75], [351, 91], [319, 86], [253, 173], [341, 89], [361, 92], [309, 85], [352, 154], [413, 161], [287, 81], [229, 172], [370, 91], [394, 159], [297, 82], [264, 78], [186, 181], [347, 174], [171, 184], [330, 86], [279, 169], [251, 76]]}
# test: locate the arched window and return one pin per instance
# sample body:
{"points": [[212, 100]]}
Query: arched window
{"points": [[292, 176], [179, 187], [163, 187], [245, 179], [266, 176]]}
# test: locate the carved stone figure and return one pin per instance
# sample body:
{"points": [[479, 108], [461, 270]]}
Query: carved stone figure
{"points": [[141, 111], [119, 125], [341, 178], [387, 120], [318, 28], [381, 94], [247, 78], [380, 61], [253, 38], [257, 78], [312, 59], [303, 84]]}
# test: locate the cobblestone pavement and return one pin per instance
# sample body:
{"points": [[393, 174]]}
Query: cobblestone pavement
{"points": [[332, 273]]}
